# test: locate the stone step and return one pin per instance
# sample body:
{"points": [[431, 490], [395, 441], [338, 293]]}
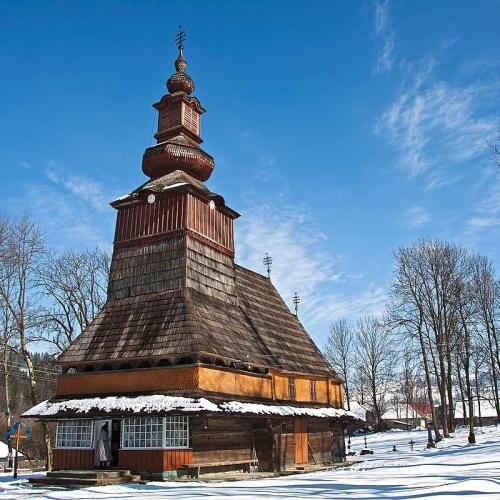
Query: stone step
{"points": [[74, 479], [89, 474]]}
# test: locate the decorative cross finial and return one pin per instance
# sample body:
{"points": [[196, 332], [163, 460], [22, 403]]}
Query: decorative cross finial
{"points": [[268, 261], [179, 39], [296, 302]]}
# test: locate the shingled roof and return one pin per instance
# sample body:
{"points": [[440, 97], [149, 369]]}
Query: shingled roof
{"points": [[260, 330]]}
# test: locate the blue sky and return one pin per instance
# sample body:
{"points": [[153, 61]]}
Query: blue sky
{"points": [[340, 130]]}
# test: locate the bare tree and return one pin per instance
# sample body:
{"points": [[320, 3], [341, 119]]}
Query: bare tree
{"points": [[495, 149], [75, 284], [7, 330], [375, 355], [21, 253], [339, 351], [466, 307], [487, 298], [407, 311]]}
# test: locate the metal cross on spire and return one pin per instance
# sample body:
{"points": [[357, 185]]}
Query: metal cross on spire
{"points": [[268, 261], [296, 302], [179, 38]]}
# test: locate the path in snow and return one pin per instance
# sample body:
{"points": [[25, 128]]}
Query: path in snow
{"points": [[455, 470]]}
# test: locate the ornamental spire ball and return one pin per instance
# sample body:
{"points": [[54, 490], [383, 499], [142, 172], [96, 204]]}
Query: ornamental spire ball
{"points": [[180, 81]]}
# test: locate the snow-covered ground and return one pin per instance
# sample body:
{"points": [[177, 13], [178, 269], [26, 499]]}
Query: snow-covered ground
{"points": [[452, 471]]}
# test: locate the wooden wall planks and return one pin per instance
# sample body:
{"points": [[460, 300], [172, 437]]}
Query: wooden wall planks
{"points": [[173, 214], [73, 458]]}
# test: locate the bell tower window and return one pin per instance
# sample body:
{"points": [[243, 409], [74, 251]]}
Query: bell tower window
{"points": [[191, 120]]}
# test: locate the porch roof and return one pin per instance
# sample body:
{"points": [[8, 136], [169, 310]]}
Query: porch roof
{"points": [[157, 404]]}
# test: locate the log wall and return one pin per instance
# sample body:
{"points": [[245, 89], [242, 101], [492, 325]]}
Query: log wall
{"points": [[219, 439]]}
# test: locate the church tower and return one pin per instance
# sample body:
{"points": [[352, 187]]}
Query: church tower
{"points": [[194, 362]]}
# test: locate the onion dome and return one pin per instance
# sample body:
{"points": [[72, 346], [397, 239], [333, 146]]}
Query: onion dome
{"points": [[180, 81], [177, 153]]}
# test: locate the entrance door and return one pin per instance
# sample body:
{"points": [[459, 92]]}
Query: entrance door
{"points": [[301, 442]]}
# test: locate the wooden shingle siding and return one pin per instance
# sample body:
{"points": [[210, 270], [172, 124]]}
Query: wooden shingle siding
{"points": [[194, 302]]}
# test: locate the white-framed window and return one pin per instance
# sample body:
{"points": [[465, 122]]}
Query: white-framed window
{"points": [[142, 432], [155, 432], [75, 434], [176, 432]]}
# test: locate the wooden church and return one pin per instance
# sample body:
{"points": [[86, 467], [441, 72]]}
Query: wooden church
{"points": [[194, 362]]}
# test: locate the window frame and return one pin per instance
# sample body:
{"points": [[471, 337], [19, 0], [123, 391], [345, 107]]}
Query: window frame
{"points": [[163, 446], [66, 447], [313, 390], [292, 389]]}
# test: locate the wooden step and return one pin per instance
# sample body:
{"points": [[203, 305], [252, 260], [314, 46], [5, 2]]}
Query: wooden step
{"points": [[85, 478]]}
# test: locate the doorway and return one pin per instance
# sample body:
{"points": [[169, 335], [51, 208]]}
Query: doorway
{"points": [[114, 437], [301, 441], [116, 426]]}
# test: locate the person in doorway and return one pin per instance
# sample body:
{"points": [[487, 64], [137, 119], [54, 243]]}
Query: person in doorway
{"points": [[103, 448]]}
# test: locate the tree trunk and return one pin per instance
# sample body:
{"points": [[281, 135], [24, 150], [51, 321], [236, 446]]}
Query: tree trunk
{"points": [[347, 395], [442, 392], [462, 393], [449, 386], [478, 395], [7, 412], [494, 379], [428, 383]]}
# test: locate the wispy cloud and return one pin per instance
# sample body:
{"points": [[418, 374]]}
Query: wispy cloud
{"points": [[434, 124], [80, 186], [303, 261], [487, 212], [71, 209], [416, 216], [385, 38], [24, 164]]}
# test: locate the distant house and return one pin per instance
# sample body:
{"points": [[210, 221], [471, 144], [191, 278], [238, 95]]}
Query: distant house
{"points": [[4, 452], [408, 416], [363, 413], [485, 408]]}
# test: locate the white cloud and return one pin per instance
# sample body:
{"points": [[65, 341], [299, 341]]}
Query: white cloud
{"points": [[385, 38], [488, 209], [434, 124], [89, 190], [381, 16], [416, 216], [301, 263], [82, 187]]}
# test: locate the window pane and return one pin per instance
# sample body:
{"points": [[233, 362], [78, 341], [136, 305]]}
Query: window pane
{"points": [[176, 432], [74, 434], [142, 432]]}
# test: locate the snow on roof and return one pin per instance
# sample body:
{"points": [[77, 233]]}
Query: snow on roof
{"points": [[285, 411], [487, 408], [172, 186], [146, 404], [4, 450], [163, 404], [123, 197], [359, 410]]}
